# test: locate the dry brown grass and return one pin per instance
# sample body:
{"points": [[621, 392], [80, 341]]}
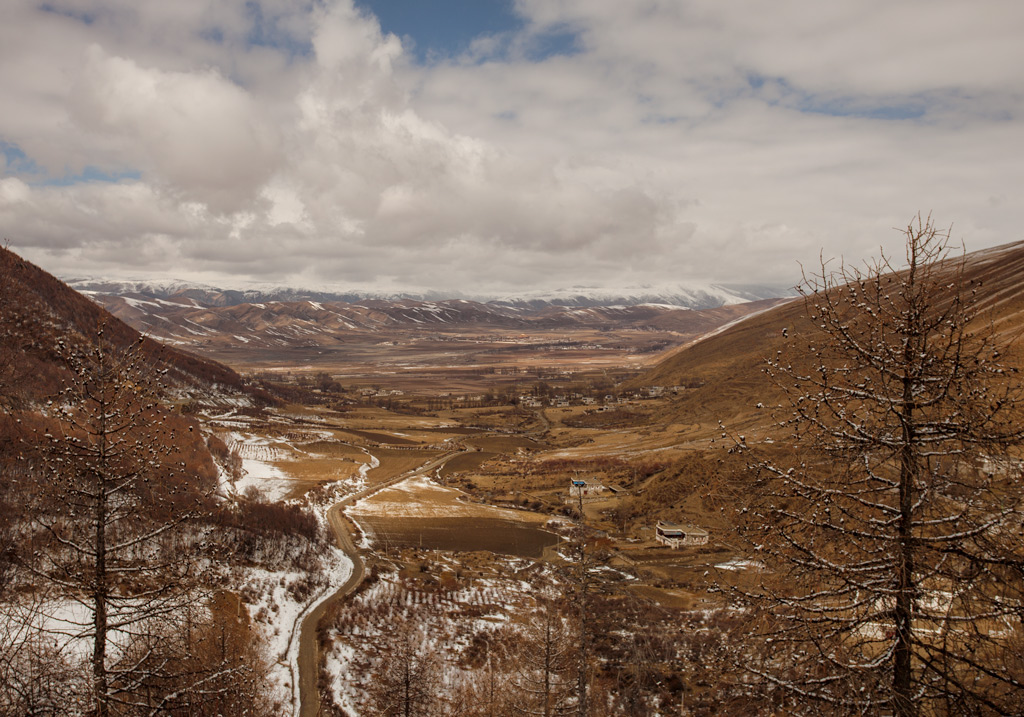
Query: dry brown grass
{"points": [[503, 444], [396, 462], [461, 535], [319, 470]]}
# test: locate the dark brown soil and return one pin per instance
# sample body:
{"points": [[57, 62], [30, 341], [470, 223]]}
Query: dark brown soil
{"points": [[385, 438], [466, 462], [460, 534]]}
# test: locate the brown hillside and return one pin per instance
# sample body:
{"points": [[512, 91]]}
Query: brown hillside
{"points": [[728, 366], [36, 309], [36, 312]]}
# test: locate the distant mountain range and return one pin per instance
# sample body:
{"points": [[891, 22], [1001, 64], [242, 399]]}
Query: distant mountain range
{"points": [[182, 292], [275, 324]]}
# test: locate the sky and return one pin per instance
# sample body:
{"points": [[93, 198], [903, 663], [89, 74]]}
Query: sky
{"points": [[502, 146]]}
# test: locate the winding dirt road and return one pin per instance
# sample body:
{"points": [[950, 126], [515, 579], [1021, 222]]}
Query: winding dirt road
{"points": [[309, 658]]}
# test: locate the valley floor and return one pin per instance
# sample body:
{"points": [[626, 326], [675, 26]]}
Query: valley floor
{"points": [[451, 526]]}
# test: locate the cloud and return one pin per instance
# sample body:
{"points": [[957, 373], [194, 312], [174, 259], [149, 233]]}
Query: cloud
{"points": [[201, 135], [669, 141]]}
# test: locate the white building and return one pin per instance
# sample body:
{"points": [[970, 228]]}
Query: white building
{"points": [[675, 535], [589, 492]]}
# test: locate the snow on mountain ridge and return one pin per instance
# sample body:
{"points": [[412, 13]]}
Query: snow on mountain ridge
{"points": [[694, 296]]}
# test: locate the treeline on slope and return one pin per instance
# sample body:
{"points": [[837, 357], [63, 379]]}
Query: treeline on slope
{"points": [[172, 553], [104, 535], [259, 517], [619, 470]]}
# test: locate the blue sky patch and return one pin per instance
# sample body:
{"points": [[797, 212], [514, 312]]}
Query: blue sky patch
{"points": [[864, 107], [442, 27], [20, 165], [17, 162], [86, 18], [447, 28], [90, 174], [563, 41], [265, 31]]}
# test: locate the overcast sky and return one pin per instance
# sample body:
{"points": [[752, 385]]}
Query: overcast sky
{"points": [[489, 146]]}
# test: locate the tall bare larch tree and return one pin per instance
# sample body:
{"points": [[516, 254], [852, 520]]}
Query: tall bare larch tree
{"points": [[110, 524], [891, 537], [543, 682], [408, 680]]}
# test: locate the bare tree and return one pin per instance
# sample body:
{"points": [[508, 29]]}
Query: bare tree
{"points": [[891, 540], [37, 675], [17, 327], [581, 596], [486, 691], [111, 518], [196, 663], [543, 681], [408, 680]]}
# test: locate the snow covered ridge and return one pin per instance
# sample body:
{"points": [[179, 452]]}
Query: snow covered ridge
{"points": [[706, 296], [693, 296]]}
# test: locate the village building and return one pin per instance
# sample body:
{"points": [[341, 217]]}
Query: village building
{"points": [[676, 535], [588, 491]]}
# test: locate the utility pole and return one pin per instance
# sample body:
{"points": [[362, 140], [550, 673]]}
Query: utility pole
{"points": [[583, 578]]}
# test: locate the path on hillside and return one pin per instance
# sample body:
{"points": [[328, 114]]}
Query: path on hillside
{"points": [[543, 416], [309, 657]]}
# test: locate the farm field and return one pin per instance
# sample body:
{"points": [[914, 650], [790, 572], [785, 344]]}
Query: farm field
{"points": [[418, 513]]}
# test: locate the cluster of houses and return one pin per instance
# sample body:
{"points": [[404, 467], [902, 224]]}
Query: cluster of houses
{"points": [[380, 393], [576, 399]]}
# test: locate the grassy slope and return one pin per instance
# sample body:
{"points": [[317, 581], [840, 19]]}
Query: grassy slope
{"points": [[730, 363]]}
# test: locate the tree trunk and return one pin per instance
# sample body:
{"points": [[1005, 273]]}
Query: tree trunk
{"points": [[100, 587], [904, 608]]}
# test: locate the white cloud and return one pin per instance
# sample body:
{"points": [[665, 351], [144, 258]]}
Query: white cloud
{"points": [[195, 131], [692, 140]]}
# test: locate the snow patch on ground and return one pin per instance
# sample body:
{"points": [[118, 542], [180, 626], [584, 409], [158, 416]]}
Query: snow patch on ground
{"points": [[257, 470], [741, 564], [277, 614], [271, 481], [418, 497]]}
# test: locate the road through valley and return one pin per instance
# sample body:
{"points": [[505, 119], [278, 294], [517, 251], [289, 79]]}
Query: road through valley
{"points": [[308, 657]]}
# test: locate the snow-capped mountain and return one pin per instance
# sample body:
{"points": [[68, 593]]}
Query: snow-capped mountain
{"points": [[183, 292], [708, 296]]}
